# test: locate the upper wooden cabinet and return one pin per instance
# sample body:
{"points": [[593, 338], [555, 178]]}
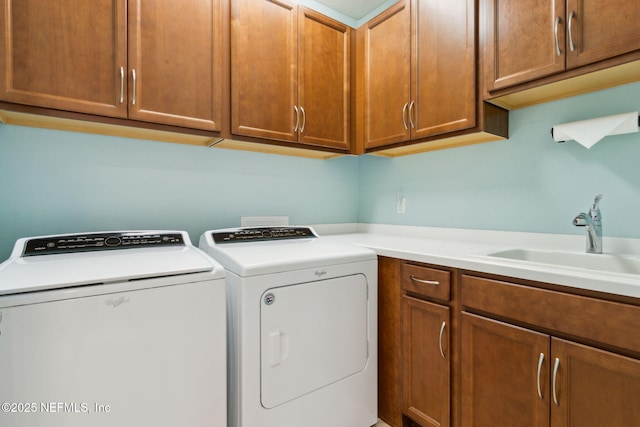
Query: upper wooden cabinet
{"points": [[419, 71], [75, 55], [175, 62], [529, 39], [68, 55], [387, 77], [290, 78]]}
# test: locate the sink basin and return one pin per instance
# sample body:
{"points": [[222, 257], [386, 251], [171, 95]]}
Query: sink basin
{"points": [[614, 263]]}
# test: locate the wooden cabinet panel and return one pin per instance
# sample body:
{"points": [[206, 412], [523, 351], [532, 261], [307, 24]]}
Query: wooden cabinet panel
{"points": [[520, 40], [264, 63], [500, 376], [611, 323], [601, 30], [325, 61], [387, 77], [594, 387], [64, 54], [175, 51], [419, 71], [427, 282], [291, 73], [526, 40], [426, 362], [389, 341], [501, 363], [443, 66]]}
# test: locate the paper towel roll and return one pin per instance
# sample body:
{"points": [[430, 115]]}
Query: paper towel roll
{"points": [[588, 132]]}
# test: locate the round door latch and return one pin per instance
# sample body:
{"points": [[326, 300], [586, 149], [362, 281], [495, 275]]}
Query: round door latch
{"points": [[269, 298]]}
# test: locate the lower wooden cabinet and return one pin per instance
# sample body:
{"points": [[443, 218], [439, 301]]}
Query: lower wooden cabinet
{"points": [[513, 376], [425, 362], [465, 349], [499, 375], [593, 387]]}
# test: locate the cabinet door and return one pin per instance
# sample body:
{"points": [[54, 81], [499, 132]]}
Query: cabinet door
{"points": [[443, 71], [599, 30], [426, 362], [324, 80], [264, 68], [500, 375], [64, 54], [593, 387], [175, 51], [387, 77], [520, 40]]}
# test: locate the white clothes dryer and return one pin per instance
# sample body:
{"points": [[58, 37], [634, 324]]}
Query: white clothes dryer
{"points": [[112, 329], [302, 317]]}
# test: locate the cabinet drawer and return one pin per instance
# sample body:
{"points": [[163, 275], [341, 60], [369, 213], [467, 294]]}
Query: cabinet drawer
{"points": [[595, 320], [425, 281]]}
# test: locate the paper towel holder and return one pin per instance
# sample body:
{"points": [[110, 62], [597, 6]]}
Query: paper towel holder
{"points": [[563, 141]]}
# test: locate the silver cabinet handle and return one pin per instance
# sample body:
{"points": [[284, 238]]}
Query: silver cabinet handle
{"points": [[570, 25], [425, 282], [295, 109], [304, 119], [404, 115], [121, 85], [133, 92], [555, 377], [540, 360], [411, 114], [555, 29], [444, 324]]}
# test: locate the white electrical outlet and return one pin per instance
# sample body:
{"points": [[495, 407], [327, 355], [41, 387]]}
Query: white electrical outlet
{"points": [[401, 203]]}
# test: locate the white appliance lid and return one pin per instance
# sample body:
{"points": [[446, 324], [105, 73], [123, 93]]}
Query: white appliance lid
{"points": [[253, 258], [76, 266]]}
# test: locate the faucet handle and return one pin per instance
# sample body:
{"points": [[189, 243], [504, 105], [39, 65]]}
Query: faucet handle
{"points": [[594, 212], [596, 200]]}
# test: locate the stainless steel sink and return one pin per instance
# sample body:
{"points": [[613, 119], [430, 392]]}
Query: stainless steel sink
{"points": [[614, 263]]}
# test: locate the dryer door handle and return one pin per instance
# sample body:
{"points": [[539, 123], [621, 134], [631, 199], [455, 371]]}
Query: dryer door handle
{"points": [[279, 348]]}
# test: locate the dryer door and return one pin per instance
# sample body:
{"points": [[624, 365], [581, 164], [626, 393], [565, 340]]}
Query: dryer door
{"points": [[312, 335]]}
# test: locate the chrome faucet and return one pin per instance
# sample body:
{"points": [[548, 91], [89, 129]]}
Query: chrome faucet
{"points": [[593, 224]]}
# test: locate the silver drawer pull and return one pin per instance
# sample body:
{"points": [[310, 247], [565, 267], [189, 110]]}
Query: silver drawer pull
{"points": [[121, 85], [572, 46], [135, 86], [295, 109], [540, 360], [404, 115], [444, 324], [556, 365], [425, 282], [555, 29], [413, 126]]}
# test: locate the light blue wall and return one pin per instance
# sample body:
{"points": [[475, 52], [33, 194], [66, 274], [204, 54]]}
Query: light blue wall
{"points": [[527, 183], [60, 182]]}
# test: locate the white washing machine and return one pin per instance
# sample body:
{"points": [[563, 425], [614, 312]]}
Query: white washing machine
{"points": [[111, 329], [302, 316]]}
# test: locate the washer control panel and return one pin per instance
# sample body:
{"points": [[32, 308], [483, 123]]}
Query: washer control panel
{"points": [[99, 242], [257, 234]]}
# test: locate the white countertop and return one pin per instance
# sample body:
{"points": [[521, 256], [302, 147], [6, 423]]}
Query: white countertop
{"points": [[470, 249]]}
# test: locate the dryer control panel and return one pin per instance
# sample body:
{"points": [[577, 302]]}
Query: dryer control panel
{"points": [[256, 234], [50, 245]]}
